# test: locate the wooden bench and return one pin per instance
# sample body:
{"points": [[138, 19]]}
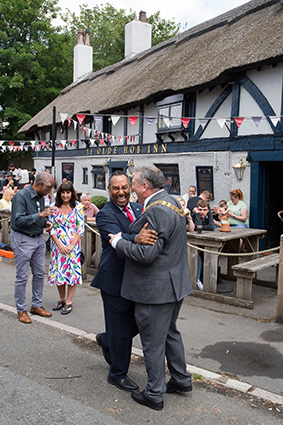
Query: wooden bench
{"points": [[245, 273]]}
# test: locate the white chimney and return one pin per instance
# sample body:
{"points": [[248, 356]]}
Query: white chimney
{"points": [[82, 56], [137, 36]]}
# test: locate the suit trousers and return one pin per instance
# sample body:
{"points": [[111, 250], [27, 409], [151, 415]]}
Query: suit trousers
{"points": [[160, 338], [120, 327], [29, 252]]}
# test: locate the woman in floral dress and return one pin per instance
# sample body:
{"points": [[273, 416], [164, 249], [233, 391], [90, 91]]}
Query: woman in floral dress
{"points": [[65, 261]]}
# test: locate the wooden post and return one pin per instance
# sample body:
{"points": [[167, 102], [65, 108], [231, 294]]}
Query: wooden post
{"points": [[5, 226], [84, 250], [279, 310]]}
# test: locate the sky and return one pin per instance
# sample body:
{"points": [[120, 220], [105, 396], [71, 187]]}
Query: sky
{"points": [[192, 12]]}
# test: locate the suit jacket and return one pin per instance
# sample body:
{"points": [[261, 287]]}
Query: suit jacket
{"points": [[111, 219], [157, 274]]}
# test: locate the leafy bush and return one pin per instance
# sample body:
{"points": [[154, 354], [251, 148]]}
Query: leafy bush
{"points": [[99, 201]]}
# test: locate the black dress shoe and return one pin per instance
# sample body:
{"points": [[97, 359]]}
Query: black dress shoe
{"points": [[125, 384], [141, 398], [173, 387], [105, 351]]}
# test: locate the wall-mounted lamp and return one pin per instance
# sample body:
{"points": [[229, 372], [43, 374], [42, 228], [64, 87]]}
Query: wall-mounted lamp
{"points": [[105, 166], [239, 169], [131, 167]]}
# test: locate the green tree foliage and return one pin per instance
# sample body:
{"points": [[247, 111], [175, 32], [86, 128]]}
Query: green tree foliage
{"points": [[34, 65], [36, 58], [107, 30]]}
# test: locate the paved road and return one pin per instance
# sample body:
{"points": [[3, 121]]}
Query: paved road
{"points": [[49, 376]]}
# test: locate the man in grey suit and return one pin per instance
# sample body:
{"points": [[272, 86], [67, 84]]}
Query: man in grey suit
{"points": [[157, 279]]}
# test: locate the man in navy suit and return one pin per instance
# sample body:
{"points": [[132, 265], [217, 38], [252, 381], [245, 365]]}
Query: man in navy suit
{"points": [[120, 322]]}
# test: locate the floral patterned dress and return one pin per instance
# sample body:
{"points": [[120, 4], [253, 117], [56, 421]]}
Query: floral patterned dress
{"points": [[66, 269]]}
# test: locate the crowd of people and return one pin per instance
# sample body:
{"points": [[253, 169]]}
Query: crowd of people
{"points": [[141, 291]]}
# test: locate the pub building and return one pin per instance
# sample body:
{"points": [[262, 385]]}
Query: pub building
{"points": [[205, 107]]}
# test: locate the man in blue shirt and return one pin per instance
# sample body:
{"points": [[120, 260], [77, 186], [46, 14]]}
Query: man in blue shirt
{"points": [[27, 223]]}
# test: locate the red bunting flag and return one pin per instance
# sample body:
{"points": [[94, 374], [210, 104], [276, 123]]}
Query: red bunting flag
{"points": [[133, 120], [101, 141], [80, 118], [239, 121], [185, 121], [69, 121], [73, 142], [12, 144], [84, 129]]}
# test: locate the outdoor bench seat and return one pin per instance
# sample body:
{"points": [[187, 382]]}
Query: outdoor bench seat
{"points": [[245, 273]]}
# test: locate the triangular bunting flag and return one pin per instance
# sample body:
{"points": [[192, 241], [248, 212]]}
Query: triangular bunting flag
{"points": [[133, 120], [275, 120], [256, 120], [221, 122], [115, 119], [150, 120], [97, 118], [101, 141], [75, 124], [1, 142], [12, 144], [84, 129], [203, 122], [63, 117], [69, 121], [92, 141], [185, 121], [73, 142], [167, 121], [80, 118], [239, 121]]}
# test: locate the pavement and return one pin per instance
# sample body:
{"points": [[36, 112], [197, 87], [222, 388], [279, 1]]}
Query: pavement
{"points": [[228, 348]]}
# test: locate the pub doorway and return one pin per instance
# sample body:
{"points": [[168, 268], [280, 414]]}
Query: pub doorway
{"points": [[273, 202]]}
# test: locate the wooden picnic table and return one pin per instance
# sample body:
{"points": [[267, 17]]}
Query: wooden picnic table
{"points": [[217, 241]]}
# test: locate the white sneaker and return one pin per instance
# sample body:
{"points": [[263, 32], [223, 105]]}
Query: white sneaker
{"points": [[199, 285]]}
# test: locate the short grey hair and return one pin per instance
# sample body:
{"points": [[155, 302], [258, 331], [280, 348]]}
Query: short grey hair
{"points": [[152, 175], [86, 195], [43, 177]]}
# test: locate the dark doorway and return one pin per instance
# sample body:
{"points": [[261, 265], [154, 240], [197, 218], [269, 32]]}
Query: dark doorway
{"points": [[273, 203]]}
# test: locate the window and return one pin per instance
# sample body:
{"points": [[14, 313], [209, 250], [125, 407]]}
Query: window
{"points": [[170, 110], [98, 177], [85, 176], [172, 179]]}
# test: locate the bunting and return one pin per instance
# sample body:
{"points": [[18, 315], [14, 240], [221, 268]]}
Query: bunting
{"points": [[185, 121], [133, 120], [80, 118], [239, 121]]}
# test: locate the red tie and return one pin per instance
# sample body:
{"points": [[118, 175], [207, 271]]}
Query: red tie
{"points": [[129, 214]]}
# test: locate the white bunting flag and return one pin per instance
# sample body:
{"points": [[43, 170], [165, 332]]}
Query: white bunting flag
{"points": [[221, 122], [63, 117], [275, 120], [115, 119]]}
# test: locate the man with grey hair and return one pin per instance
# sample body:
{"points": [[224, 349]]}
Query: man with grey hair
{"points": [[27, 223], [156, 278]]}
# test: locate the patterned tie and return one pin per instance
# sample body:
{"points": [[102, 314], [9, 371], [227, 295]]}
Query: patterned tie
{"points": [[129, 214]]}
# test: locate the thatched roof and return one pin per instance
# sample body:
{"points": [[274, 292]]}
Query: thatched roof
{"points": [[206, 55]]}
